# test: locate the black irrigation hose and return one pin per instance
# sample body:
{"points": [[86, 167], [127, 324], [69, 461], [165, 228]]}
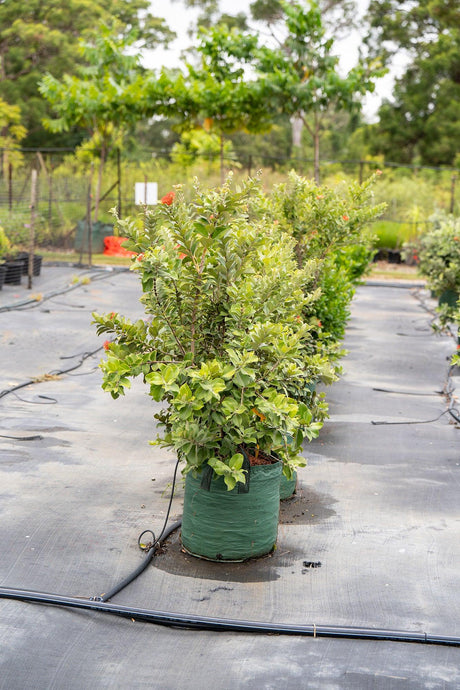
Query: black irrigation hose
{"points": [[149, 549], [150, 553], [58, 372], [31, 303], [389, 390], [189, 621], [192, 622], [37, 437], [451, 411]]}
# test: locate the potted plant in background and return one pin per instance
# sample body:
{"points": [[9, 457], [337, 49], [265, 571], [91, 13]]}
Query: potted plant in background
{"points": [[11, 267], [224, 348], [330, 226], [439, 261]]}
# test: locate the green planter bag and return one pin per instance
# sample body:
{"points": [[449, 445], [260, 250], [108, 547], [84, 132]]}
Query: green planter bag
{"points": [[288, 486], [223, 525]]}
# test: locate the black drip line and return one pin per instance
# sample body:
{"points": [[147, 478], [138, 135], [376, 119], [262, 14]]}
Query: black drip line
{"points": [[192, 622], [56, 372], [33, 303], [448, 390]]}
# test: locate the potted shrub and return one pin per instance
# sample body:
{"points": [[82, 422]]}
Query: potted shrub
{"points": [[223, 348], [439, 261], [330, 229]]}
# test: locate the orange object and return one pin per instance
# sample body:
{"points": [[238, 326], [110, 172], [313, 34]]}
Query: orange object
{"points": [[112, 246], [168, 198]]}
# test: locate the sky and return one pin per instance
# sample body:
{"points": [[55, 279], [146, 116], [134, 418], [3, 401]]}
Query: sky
{"points": [[179, 19]]}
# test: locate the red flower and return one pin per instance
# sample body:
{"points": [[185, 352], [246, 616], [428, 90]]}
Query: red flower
{"points": [[345, 217], [139, 257], [113, 314], [107, 345], [320, 324], [168, 198]]}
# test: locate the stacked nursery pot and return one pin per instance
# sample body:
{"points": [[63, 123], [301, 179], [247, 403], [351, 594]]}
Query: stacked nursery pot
{"points": [[223, 342], [23, 257], [13, 273], [2, 275]]}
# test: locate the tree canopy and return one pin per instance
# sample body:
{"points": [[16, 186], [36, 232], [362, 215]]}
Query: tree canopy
{"points": [[303, 75], [42, 36], [421, 123], [101, 98]]}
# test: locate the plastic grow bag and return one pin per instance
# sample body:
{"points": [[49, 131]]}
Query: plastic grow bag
{"points": [[288, 486], [226, 525]]}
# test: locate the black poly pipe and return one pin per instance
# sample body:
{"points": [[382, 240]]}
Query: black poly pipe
{"points": [[141, 567], [227, 624]]}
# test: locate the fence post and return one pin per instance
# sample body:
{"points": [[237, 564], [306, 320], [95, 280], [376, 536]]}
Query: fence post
{"points": [[10, 187], [119, 181], [90, 221], [33, 202], [452, 192]]}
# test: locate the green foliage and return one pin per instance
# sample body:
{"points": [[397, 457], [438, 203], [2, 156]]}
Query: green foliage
{"points": [[439, 262], [322, 218], [329, 227], [217, 93], [96, 98], [42, 36], [394, 235], [4, 243], [202, 146], [224, 345], [16, 227], [422, 120], [11, 134], [100, 99], [302, 76]]}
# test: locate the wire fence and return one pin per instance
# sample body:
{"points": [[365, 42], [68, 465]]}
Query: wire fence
{"points": [[62, 201]]}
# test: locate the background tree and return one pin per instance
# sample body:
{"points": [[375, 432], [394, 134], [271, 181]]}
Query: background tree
{"points": [[42, 36], [102, 99], [303, 77], [339, 16], [219, 96], [421, 123], [11, 135]]}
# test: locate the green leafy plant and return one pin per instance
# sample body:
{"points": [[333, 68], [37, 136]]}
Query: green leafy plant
{"points": [[439, 261], [330, 226], [4, 243], [224, 346]]}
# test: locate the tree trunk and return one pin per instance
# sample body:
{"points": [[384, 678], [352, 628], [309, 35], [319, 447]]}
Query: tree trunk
{"points": [[99, 183], [297, 126], [316, 147], [222, 167]]}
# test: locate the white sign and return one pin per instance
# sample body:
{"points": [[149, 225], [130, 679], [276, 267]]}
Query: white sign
{"points": [[146, 193]]}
